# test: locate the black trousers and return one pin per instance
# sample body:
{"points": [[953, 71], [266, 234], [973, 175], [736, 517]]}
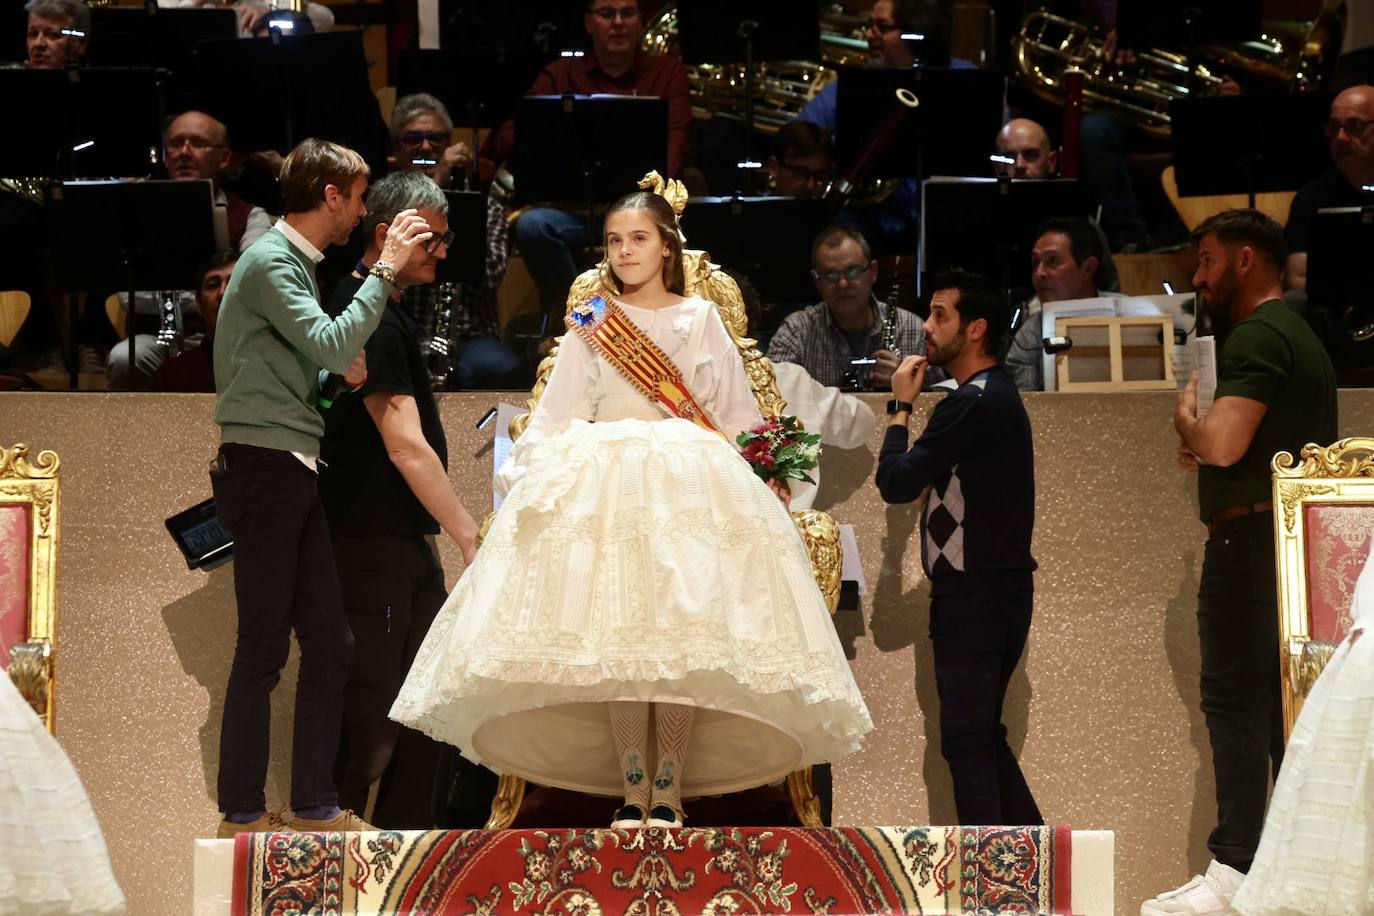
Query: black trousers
{"points": [[392, 588], [978, 640], [284, 580], [1238, 631]]}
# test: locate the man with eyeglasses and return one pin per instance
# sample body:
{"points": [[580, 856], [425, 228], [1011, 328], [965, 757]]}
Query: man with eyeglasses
{"points": [[195, 148], [840, 340], [615, 65], [473, 355], [386, 492], [1028, 143], [803, 161], [1350, 130]]}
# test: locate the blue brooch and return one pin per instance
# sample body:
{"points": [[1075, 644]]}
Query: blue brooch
{"points": [[589, 311]]}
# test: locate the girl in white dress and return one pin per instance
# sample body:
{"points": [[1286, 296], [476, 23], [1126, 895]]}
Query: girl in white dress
{"points": [[53, 860], [638, 576], [1316, 854]]}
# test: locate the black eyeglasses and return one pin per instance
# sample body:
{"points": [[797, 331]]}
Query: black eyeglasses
{"points": [[198, 145], [882, 28], [819, 176], [438, 241], [1353, 127], [612, 13], [834, 276], [418, 137]]}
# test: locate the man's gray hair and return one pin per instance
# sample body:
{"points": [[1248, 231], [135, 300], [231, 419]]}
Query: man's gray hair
{"points": [[410, 107], [75, 10], [400, 191]]}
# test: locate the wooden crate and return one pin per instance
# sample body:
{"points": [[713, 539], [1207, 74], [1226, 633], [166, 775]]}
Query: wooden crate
{"points": [[1123, 360]]}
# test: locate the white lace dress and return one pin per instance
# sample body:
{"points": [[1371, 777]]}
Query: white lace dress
{"points": [[1316, 854], [637, 558], [53, 858]]}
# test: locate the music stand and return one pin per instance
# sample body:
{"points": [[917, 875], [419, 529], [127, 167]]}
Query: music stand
{"points": [[130, 235], [155, 37], [270, 93], [1338, 284], [467, 256], [767, 238], [1227, 144], [82, 123], [598, 146], [737, 32], [483, 83], [948, 133], [987, 225]]}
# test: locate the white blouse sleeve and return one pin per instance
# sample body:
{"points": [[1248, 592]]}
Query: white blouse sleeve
{"points": [[572, 393], [1362, 605], [846, 421], [726, 395]]}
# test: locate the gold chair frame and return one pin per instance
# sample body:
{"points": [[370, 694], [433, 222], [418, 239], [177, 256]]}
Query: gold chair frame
{"points": [[818, 529], [1342, 473], [32, 663]]}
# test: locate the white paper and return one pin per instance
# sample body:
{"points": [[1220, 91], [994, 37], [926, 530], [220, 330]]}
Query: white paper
{"points": [[502, 445], [851, 570], [1205, 363]]}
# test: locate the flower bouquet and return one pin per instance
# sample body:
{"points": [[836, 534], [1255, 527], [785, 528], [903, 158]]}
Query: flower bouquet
{"points": [[779, 449]]}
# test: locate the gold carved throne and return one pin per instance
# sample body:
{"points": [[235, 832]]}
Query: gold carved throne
{"points": [[1323, 534], [818, 529], [29, 531]]}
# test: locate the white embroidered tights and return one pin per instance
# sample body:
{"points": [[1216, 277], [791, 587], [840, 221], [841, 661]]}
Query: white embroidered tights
{"points": [[673, 729]]}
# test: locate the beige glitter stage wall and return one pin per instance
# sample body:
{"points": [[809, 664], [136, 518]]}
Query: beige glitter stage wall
{"points": [[1104, 713]]}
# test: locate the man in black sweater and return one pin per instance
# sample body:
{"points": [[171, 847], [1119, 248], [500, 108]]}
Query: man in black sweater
{"points": [[974, 460]]}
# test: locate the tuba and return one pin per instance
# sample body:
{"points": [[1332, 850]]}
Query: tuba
{"points": [[782, 88], [1288, 57]]}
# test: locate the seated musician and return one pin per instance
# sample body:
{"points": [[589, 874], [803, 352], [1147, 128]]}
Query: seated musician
{"points": [[616, 65], [194, 370], [890, 226], [803, 160], [1351, 132], [458, 324], [1068, 261], [849, 339], [1028, 143], [50, 46], [253, 13], [196, 148]]}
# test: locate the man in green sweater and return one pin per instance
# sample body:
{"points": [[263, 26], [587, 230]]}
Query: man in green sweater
{"points": [[274, 346]]}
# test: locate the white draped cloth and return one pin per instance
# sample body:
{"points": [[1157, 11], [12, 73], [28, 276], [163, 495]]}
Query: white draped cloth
{"points": [[1316, 854], [637, 557], [53, 859]]}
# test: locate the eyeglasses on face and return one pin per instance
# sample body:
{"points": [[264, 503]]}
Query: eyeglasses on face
{"points": [[196, 143], [1353, 127], [612, 13], [819, 176], [439, 241], [419, 137], [881, 27], [834, 276]]}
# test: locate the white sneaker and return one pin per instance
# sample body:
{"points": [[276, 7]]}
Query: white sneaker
{"points": [[1209, 893]]}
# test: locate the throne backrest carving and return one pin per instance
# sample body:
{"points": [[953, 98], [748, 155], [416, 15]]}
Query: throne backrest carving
{"points": [[1324, 532], [29, 534]]}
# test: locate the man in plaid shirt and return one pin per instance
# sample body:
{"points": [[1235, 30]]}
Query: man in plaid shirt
{"points": [[847, 325]]}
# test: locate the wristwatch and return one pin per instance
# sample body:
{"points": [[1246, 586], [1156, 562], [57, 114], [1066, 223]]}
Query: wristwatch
{"points": [[894, 407]]}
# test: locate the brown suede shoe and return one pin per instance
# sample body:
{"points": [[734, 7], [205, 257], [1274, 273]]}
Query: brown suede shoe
{"points": [[271, 822], [346, 822]]}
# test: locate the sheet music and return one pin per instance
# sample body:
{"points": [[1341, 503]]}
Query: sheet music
{"points": [[501, 447], [1205, 363], [851, 570]]}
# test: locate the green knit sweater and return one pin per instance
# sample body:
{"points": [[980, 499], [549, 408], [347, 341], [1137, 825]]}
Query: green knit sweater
{"points": [[271, 340]]}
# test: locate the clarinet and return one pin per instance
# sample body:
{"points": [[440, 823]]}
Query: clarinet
{"points": [[439, 358], [169, 332]]}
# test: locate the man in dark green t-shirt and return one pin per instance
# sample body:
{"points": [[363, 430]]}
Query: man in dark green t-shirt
{"points": [[1276, 391]]}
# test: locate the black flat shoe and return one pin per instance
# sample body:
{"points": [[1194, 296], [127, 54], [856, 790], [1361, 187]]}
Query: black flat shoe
{"points": [[628, 817], [664, 816]]}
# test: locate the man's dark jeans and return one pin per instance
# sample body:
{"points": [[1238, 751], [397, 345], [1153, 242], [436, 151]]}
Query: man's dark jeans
{"points": [[1238, 630], [284, 580], [978, 640]]}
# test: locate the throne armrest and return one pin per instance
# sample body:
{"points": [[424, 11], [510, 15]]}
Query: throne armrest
{"points": [[822, 538], [30, 667]]}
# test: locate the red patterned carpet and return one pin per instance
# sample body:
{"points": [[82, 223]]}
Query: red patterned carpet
{"points": [[656, 872]]}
